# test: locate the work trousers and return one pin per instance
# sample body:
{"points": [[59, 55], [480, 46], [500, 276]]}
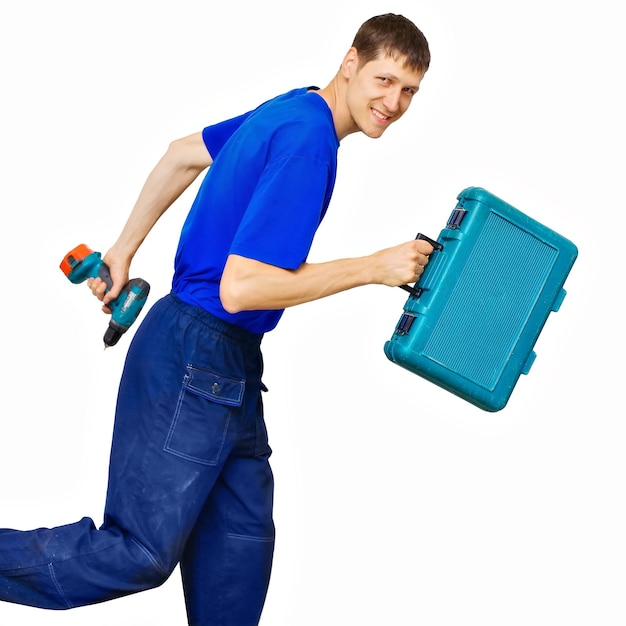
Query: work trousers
{"points": [[189, 483]]}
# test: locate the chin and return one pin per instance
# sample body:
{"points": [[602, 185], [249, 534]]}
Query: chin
{"points": [[372, 129], [375, 133]]}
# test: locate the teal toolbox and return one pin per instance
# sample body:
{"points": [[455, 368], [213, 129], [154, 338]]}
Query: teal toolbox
{"points": [[471, 323]]}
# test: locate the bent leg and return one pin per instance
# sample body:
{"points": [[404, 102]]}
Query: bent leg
{"points": [[73, 565], [169, 444]]}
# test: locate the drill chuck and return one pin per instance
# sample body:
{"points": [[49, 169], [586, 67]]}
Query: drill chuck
{"points": [[82, 263]]}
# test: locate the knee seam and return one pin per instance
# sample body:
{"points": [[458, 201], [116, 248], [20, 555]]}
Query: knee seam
{"points": [[57, 586], [152, 559], [250, 538]]}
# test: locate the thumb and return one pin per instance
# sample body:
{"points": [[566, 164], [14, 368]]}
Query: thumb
{"points": [[118, 278]]}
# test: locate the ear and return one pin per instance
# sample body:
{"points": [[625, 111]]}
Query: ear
{"points": [[350, 63]]}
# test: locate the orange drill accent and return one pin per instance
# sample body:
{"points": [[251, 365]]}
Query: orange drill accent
{"points": [[79, 253]]}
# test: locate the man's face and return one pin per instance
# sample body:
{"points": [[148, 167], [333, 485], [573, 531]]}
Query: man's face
{"points": [[379, 93]]}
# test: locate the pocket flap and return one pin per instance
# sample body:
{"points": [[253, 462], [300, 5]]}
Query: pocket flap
{"points": [[215, 387]]}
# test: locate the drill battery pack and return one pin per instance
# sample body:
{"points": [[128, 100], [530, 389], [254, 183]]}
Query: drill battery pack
{"points": [[471, 323]]}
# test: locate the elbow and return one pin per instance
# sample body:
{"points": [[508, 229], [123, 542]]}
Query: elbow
{"points": [[189, 153], [230, 297], [177, 153], [240, 288]]}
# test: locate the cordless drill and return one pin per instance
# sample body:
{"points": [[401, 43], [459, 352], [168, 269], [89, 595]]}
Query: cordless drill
{"points": [[82, 263]]}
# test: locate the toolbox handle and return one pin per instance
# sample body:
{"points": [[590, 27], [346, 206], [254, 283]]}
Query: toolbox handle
{"points": [[438, 247]]}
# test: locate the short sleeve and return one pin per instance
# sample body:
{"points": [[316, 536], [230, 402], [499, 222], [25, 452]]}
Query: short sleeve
{"points": [[285, 211], [216, 135]]}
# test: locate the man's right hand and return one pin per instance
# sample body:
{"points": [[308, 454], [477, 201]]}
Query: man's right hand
{"points": [[404, 263]]}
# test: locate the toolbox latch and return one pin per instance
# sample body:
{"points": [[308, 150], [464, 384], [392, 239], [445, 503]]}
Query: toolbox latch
{"points": [[405, 323], [455, 219]]}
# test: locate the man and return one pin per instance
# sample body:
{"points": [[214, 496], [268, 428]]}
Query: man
{"points": [[189, 478]]}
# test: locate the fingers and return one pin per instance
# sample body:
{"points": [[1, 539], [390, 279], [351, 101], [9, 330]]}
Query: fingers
{"points": [[419, 270], [423, 247], [418, 255], [422, 255], [117, 267], [98, 288], [118, 270], [402, 264]]}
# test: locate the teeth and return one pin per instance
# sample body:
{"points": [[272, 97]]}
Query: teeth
{"points": [[379, 115]]}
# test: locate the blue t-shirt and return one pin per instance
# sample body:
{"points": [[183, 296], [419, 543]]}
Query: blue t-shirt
{"points": [[264, 196]]}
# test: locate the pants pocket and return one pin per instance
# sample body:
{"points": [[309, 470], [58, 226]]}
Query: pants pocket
{"points": [[203, 412]]}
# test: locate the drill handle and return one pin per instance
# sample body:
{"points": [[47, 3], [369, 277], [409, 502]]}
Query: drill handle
{"points": [[105, 275]]}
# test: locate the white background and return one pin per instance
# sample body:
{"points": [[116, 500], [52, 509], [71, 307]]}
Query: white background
{"points": [[396, 502]]}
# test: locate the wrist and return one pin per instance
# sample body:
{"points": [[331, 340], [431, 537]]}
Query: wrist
{"points": [[123, 250]]}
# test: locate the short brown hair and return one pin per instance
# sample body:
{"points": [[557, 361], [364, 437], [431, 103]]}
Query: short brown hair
{"points": [[394, 35]]}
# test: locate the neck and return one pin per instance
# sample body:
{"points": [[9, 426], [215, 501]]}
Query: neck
{"points": [[335, 96]]}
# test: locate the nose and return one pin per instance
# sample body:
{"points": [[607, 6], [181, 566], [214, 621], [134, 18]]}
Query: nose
{"points": [[392, 101]]}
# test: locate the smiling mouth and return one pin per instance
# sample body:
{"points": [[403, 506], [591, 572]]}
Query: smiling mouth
{"points": [[378, 115]]}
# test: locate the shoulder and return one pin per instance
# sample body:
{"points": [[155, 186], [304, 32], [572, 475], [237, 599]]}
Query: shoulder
{"points": [[301, 106], [299, 120]]}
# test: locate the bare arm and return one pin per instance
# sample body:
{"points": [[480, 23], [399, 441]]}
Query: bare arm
{"points": [[251, 285], [178, 168]]}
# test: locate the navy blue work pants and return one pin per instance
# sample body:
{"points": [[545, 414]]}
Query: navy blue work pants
{"points": [[189, 483]]}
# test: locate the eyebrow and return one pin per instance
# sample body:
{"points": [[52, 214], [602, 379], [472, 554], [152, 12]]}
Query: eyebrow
{"points": [[397, 78]]}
